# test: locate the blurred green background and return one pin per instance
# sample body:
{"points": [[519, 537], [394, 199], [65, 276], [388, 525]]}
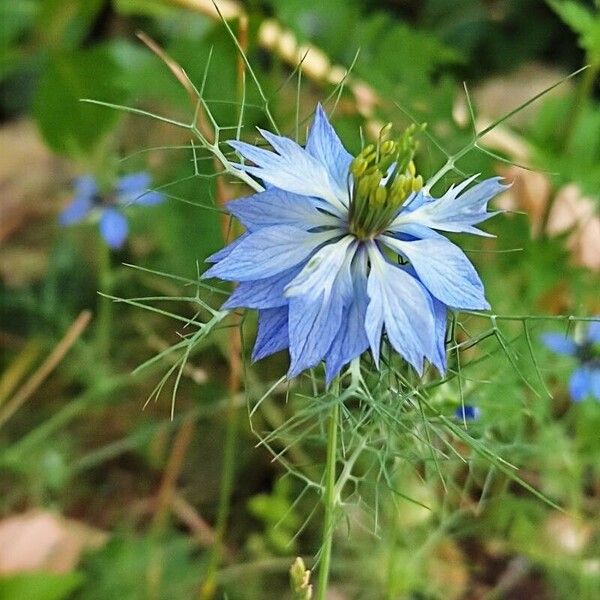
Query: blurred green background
{"points": [[100, 499]]}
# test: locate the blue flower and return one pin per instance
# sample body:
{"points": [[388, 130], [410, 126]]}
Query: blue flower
{"points": [[585, 380], [130, 189], [339, 250], [467, 413]]}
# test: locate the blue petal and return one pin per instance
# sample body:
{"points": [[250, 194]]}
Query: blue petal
{"points": [[444, 270], [133, 189], [580, 384], [226, 250], [317, 299], [267, 252], [595, 383], [76, 211], [290, 168], [277, 207], [324, 144], [467, 413], [440, 314], [113, 227], [455, 211], [351, 340], [559, 343], [593, 332], [262, 293], [272, 335], [398, 301], [86, 186]]}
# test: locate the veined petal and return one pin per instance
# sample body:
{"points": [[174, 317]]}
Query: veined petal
{"points": [[455, 211], [290, 168], [440, 314], [444, 270], [272, 335], [559, 343], [262, 293], [351, 339], [398, 301], [579, 384], [113, 227], [277, 207], [267, 252], [219, 255], [324, 144], [319, 274]]}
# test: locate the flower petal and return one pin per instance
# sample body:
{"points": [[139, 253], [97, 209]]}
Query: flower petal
{"points": [[262, 293], [593, 332], [76, 211], [113, 227], [290, 168], [440, 314], [595, 383], [579, 384], [272, 335], [559, 343], [133, 189], [219, 255], [320, 272], [351, 340], [277, 207], [86, 186], [455, 211], [398, 301], [324, 144], [444, 270], [267, 252]]}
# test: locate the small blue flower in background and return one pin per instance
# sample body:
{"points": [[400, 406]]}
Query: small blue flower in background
{"points": [[585, 380], [467, 413], [130, 189], [340, 249]]}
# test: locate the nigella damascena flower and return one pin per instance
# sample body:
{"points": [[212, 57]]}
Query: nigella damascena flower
{"points": [[130, 189], [585, 380], [467, 412], [339, 250]]}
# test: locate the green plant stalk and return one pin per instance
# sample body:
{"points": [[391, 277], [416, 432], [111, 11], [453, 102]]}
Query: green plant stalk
{"points": [[583, 94], [105, 285], [329, 497]]}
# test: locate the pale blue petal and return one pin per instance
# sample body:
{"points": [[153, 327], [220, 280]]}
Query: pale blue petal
{"points": [[440, 314], [456, 211], [86, 186], [272, 335], [262, 293], [318, 276], [78, 209], [595, 382], [401, 304], [267, 252], [113, 227], [580, 384], [290, 168], [593, 332], [227, 250], [444, 270], [133, 189], [324, 144], [351, 340], [277, 207], [559, 343]]}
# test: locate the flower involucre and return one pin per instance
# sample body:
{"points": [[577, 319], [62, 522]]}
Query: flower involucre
{"points": [[339, 250]]}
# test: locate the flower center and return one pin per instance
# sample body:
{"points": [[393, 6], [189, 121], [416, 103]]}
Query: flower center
{"points": [[384, 177]]}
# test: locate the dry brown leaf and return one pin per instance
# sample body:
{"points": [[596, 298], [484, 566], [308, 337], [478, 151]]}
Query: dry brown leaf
{"points": [[40, 540]]}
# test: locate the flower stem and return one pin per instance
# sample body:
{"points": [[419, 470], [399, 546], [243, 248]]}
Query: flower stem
{"points": [[329, 497]]}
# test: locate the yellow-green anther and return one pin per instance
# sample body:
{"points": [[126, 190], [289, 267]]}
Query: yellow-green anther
{"points": [[388, 147], [359, 166], [412, 169], [385, 130], [417, 183], [380, 195]]}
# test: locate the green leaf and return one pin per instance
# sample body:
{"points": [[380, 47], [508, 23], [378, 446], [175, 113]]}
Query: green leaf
{"points": [[39, 586], [69, 125]]}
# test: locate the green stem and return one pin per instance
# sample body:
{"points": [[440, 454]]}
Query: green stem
{"points": [[329, 497], [582, 96], [105, 285]]}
